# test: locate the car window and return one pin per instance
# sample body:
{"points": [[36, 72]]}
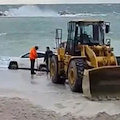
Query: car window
{"points": [[25, 56], [40, 55]]}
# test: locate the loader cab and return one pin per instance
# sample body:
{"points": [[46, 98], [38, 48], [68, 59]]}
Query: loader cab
{"points": [[85, 33]]}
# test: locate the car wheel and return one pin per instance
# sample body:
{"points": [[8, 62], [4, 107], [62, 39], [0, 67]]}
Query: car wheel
{"points": [[42, 67], [13, 65]]}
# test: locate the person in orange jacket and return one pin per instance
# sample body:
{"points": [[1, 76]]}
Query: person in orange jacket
{"points": [[33, 55]]}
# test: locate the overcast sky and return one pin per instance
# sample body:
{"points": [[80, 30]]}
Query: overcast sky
{"points": [[55, 1]]}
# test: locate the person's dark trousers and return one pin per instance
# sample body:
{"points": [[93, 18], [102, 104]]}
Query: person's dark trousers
{"points": [[32, 66], [47, 67]]}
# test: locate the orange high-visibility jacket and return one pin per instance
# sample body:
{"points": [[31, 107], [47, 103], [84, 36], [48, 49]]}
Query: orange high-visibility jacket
{"points": [[33, 54]]}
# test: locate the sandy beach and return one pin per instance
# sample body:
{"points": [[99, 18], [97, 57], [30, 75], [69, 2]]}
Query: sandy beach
{"points": [[20, 94]]}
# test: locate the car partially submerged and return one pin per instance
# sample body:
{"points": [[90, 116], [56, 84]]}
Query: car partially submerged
{"points": [[23, 62]]}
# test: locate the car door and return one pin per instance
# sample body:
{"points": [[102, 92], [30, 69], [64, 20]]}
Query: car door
{"points": [[40, 59], [24, 61]]}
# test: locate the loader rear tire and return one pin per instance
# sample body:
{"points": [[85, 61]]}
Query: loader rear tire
{"points": [[56, 78], [75, 74]]}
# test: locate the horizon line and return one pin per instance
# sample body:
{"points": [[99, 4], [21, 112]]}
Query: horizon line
{"points": [[55, 3]]}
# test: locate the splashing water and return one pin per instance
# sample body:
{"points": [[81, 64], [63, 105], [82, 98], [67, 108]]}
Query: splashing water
{"points": [[4, 61], [35, 11], [31, 11]]}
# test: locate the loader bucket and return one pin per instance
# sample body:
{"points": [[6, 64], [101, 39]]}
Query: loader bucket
{"points": [[102, 83]]}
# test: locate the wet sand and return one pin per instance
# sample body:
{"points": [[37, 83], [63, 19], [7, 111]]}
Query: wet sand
{"points": [[40, 91]]}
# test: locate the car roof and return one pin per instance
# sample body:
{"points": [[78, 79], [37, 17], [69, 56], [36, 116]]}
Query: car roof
{"points": [[38, 51]]}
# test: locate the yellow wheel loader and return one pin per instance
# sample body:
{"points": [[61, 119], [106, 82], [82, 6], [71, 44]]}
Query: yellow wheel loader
{"points": [[87, 61]]}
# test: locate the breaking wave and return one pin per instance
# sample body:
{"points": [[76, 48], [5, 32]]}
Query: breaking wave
{"points": [[84, 15], [2, 34], [116, 13], [35, 11], [29, 11]]}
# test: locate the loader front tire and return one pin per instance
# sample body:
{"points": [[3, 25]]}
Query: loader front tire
{"points": [[56, 78], [75, 74]]}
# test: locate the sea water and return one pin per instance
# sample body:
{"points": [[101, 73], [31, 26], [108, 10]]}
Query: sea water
{"points": [[28, 25]]}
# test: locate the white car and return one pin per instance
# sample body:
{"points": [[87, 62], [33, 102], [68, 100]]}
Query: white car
{"points": [[24, 62]]}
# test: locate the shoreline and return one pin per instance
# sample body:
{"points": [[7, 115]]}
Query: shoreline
{"points": [[40, 91]]}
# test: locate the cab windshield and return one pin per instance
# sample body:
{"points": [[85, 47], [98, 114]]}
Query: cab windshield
{"points": [[90, 34]]}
